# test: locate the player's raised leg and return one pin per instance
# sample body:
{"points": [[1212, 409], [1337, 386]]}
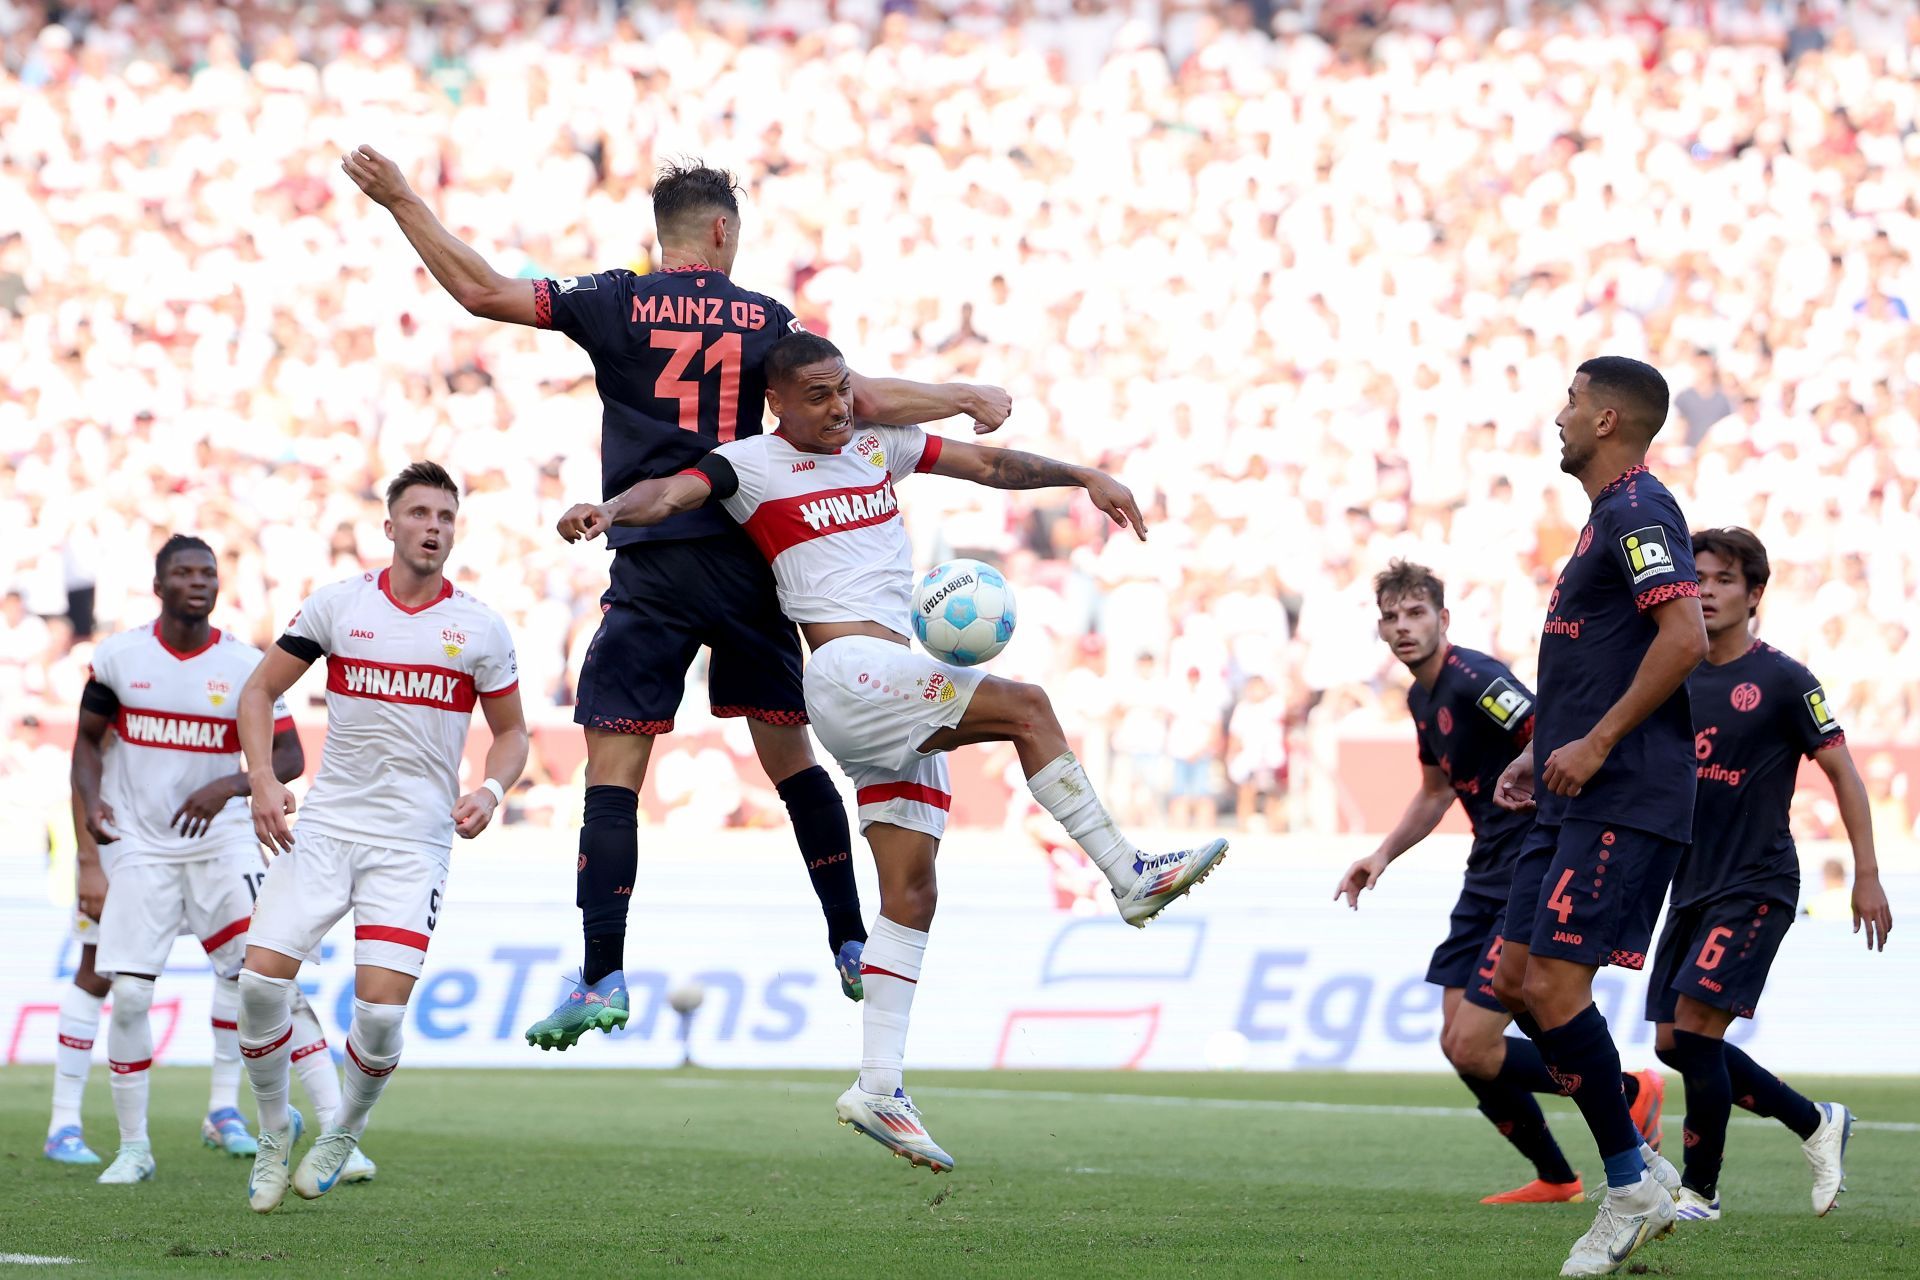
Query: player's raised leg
{"points": [[826, 842], [608, 865], [79, 1026], [877, 1104], [313, 1064], [373, 1051], [1010, 711]]}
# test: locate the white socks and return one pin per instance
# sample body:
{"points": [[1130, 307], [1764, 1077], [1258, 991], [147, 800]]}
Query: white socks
{"points": [[225, 1091], [373, 1051], [130, 1054], [889, 973], [313, 1064], [265, 1033], [1062, 789], [79, 1025]]}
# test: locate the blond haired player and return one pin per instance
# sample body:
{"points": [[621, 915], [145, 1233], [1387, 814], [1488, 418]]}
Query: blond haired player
{"points": [[817, 499], [408, 658]]}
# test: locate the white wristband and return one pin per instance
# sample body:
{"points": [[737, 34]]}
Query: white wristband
{"points": [[499, 795]]}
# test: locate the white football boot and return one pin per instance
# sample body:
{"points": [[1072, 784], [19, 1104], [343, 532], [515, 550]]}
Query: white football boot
{"points": [[325, 1161], [133, 1164], [358, 1168], [1662, 1170], [1627, 1219], [267, 1184], [1694, 1207], [1827, 1153], [1160, 878], [893, 1122]]}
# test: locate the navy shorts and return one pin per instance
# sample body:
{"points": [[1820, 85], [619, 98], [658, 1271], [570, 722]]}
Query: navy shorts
{"points": [[1471, 952], [666, 600], [1718, 953], [1596, 889]]}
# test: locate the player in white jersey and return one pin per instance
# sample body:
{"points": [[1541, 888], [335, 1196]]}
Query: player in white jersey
{"points": [[408, 658], [817, 497], [160, 803]]}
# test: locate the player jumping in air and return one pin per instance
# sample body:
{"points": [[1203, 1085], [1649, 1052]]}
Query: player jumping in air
{"points": [[677, 360], [162, 824], [408, 658], [1470, 714], [1756, 713], [817, 499], [1613, 782]]}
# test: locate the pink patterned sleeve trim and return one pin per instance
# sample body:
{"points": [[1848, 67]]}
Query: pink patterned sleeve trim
{"points": [[1653, 597]]}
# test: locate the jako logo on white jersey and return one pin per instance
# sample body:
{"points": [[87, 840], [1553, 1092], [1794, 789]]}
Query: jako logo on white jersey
{"points": [[852, 508], [177, 732], [440, 687]]}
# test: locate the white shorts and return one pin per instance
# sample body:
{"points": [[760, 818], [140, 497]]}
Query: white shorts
{"points": [[395, 896], [151, 902], [872, 704]]}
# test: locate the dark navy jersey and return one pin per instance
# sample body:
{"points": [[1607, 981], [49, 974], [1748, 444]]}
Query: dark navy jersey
{"points": [[1634, 555], [1754, 719], [678, 358], [1471, 725]]}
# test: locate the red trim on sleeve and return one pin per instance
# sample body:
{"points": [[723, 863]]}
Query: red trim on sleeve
{"points": [[929, 455], [699, 475], [226, 935], [542, 304], [283, 724], [913, 791], [1837, 740], [1654, 597], [387, 933], [500, 693]]}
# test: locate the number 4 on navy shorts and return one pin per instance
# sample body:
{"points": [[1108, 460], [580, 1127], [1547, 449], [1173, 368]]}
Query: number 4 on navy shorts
{"points": [[1600, 893]]}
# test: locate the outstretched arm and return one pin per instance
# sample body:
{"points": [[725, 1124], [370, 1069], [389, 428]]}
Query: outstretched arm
{"points": [[1012, 469], [648, 502], [460, 271], [1869, 899], [1423, 813], [895, 402]]}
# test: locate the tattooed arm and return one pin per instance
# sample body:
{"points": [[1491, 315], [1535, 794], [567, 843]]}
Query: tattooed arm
{"points": [[1012, 469]]}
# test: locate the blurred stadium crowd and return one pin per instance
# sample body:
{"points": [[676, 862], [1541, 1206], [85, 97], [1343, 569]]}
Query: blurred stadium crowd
{"points": [[1310, 278]]}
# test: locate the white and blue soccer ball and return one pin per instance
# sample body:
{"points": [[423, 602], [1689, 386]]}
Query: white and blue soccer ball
{"points": [[963, 612]]}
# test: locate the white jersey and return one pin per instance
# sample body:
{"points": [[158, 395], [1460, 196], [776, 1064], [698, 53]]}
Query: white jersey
{"points": [[401, 688], [174, 732], [828, 522]]}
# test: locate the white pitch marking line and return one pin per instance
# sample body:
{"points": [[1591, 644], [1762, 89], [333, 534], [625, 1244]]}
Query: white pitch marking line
{"points": [[33, 1260], [1230, 1104]]}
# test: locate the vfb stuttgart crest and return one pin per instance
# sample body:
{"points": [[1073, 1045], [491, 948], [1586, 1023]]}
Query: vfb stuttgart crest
{"points": [[451, 642], [218, 691]]}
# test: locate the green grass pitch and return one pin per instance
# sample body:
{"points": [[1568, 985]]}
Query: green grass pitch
{"points": [[544, 1173]]}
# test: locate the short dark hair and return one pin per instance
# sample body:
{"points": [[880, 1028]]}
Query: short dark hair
{"points": [[1635, 384], [795, 352], [1403, 578], [431, 474], [1738, 546], [686, 188], [173, 546]]}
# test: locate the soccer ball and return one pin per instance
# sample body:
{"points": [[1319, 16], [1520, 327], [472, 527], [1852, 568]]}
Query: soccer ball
{"points": [[963, 612]]}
